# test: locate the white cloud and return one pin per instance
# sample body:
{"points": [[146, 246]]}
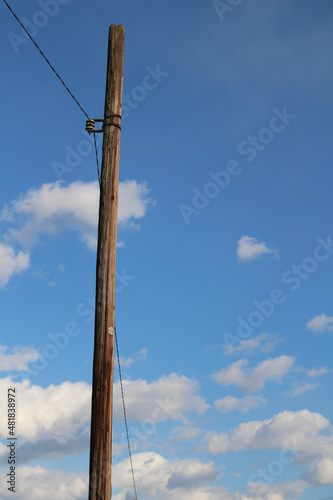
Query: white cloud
{"points": [[280, 491], [249, 249], [158, 477], [57, 412], [133, 201], [264, 342], [155, 476], [322, 472], [18, 359], [230, 403], [320, 323], [255, 379], [54, 421], [318, 372], [170, 396], [37, 483], [41, 274], [286, 430], [54, 208], [191, 474], [303, 388], [11, 263]]}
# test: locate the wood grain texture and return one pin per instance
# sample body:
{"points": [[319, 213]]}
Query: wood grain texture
{"points": [[102, 389]]}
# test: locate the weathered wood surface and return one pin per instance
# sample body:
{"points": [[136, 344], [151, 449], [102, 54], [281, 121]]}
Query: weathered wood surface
{"points": [[102, 389]]}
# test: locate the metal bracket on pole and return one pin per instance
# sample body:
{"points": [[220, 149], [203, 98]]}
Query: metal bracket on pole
{"points": [[111, 330], [90, 124]]}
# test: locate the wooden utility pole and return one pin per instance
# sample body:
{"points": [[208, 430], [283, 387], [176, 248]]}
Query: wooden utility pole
{"points": [[102, 388]]}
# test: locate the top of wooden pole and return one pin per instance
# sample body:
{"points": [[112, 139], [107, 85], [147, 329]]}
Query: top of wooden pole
{"points": [[114, 67]]}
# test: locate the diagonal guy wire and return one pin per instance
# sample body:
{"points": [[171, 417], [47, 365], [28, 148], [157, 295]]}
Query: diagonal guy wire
{"points": [[125, 418]]}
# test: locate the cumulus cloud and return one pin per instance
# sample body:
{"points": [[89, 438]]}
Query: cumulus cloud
{"points": [[253, 380], [156, 477], [17, 359], [281, 491], [264, 342], [321, 473], [53, 208], [37, 483], [249, 249], [54, 421], [159, 477], [190, 474], [298, 431], [230, 403], [170, 396], [11, 263], [320, 323]]}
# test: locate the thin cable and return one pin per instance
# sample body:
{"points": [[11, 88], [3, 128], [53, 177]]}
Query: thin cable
{"points": [[124, 408], [48, 62], [61, 80], [98, 174]]}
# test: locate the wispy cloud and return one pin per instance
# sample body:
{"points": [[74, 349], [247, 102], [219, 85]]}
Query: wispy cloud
{"points": [[320, 323], [141, 356], [249, 248], [318, 372], [186, 433], [264, 342], [303, 388], [230, 403]]}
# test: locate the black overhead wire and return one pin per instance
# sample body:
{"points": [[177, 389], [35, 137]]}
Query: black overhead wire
{"points": [[46, 59], [79, 105], [59, 78]]}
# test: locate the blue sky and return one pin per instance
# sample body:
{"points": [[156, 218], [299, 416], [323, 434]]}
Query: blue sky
{"points": [[225, 258]]}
